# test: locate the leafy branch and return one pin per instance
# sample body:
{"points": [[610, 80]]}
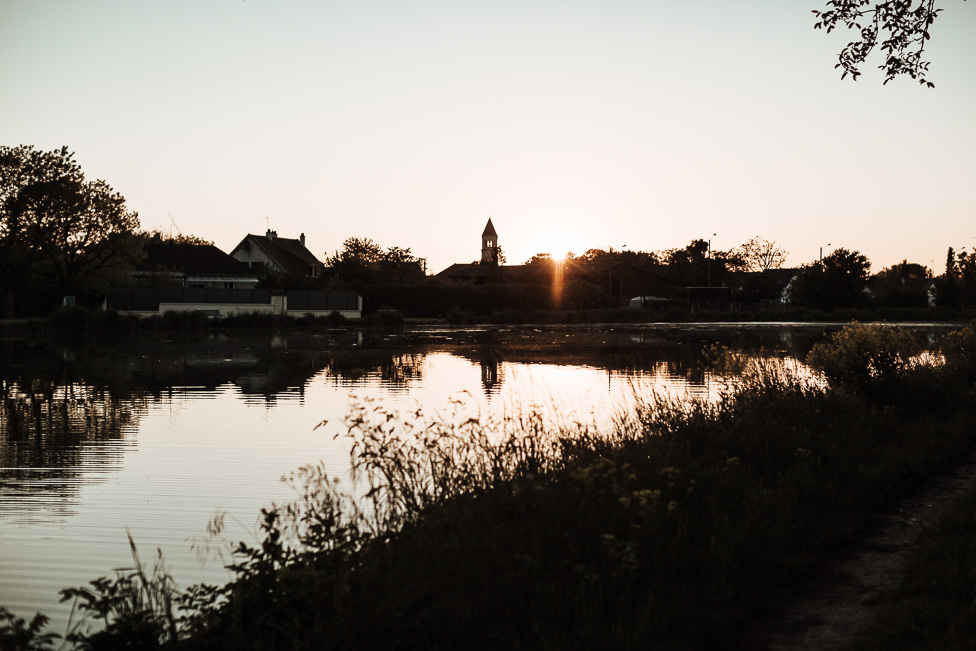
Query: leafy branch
{"points": [[893, 25]]}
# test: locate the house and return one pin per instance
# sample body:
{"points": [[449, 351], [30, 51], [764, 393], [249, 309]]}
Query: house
{"points": [[278, 256], [202, 278], [193, 266]]}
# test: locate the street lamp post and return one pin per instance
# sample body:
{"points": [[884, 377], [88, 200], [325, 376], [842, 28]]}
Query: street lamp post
{"points": [[821, 251], [709, 256]]}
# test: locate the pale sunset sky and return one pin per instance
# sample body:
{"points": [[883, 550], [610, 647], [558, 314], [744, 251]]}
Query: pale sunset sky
{"points": [[573, 124]]}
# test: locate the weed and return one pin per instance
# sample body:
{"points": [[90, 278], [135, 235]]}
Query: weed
{"points": [[18, 634], [133, 607]]}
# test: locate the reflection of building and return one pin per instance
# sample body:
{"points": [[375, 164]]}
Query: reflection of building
{"points": [[490, 372]]}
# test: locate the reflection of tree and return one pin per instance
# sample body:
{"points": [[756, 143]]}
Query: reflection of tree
{"points": [[396, 367], [48, 430]]}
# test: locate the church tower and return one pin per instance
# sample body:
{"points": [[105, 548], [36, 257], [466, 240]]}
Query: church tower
{"points": [[489, 245]]}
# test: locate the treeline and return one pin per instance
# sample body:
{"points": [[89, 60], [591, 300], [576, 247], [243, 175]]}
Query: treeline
{"points": [[62, 235]]}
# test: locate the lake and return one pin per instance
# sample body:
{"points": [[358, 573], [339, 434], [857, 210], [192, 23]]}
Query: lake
{"points": [[158, 436]]}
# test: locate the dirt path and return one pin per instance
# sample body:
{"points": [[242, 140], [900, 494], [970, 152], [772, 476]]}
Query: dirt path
{"points": [[831, 611]]}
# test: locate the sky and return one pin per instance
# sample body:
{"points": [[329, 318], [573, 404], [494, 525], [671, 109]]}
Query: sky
{"points": [[572, 124]]}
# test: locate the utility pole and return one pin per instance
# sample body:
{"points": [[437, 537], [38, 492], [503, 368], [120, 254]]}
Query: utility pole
{"points": [[709, 256]]}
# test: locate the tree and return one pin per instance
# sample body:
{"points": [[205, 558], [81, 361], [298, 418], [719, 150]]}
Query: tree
{"points": [[899, 30], [905, 284], [539, 259], [157, 236], [361, 262], [697, 265], [759, 254], [906, 270], [957, 287], [837, 281], [60, 234]]}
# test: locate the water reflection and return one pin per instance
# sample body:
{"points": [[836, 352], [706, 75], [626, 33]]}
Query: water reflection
{"points": [[55, 419]]}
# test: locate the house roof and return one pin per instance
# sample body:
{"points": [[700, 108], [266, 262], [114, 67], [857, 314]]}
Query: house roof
{"points": [[509, 273], [459, 270], [195, 259], [289, 254]]}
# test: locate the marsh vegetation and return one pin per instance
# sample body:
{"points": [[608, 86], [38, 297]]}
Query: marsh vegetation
{"points": [[675, 528]]}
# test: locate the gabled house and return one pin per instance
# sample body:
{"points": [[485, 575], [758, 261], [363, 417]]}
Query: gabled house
{"points": [[278, 256], [192, 266]]}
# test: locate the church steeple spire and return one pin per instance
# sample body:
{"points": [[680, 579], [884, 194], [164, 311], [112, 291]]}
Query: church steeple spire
{"points": [[489, 245]]}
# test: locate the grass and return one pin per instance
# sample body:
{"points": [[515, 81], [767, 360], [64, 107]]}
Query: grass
{"points": [[675, 530]]}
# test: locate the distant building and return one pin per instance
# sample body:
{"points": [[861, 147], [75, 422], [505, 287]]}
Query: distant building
{"points": [[486, 270], [278, 256], [194, 266], [489, 245]]}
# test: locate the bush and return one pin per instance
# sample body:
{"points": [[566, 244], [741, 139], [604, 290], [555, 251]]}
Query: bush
{"points": [[859, 354], [335, 319], [958, 348]]}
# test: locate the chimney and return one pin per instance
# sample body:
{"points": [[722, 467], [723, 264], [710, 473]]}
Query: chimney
{"points": [[271, 234], [301, 238]]}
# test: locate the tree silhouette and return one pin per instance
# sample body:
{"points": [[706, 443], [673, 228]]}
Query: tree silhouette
{"points": [[60, 234], [837, 281], [893, 25], [759, 254]]}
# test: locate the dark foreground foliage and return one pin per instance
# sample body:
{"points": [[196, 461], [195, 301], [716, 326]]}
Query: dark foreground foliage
{"points": [[934, 608], [676, 530]]}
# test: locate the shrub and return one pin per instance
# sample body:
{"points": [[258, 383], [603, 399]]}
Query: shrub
{"points": [[959, 350], [335, 319], [859, 354]]}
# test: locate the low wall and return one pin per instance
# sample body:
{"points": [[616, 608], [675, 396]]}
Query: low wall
{"points": [[146, 302]]}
